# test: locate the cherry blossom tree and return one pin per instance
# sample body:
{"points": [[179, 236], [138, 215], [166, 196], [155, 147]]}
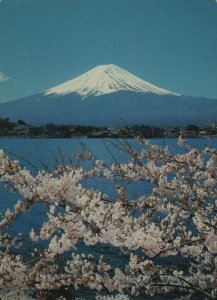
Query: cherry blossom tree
{"points": [[167, 236]]}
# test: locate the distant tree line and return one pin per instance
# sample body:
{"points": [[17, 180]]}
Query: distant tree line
{"points": [[5, 123], [8, 127]]}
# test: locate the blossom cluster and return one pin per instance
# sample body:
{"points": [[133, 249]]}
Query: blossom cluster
{"points": [[168, 235]]}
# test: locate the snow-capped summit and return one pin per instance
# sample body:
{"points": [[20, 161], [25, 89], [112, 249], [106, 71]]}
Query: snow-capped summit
{"points": [[105, 79]]}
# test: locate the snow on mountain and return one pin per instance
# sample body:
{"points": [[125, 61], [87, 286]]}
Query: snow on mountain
{"points": [[105, 79]]}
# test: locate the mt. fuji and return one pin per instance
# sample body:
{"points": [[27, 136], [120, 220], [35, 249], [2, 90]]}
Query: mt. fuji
{"points": [[105, 79], [107, 95]]}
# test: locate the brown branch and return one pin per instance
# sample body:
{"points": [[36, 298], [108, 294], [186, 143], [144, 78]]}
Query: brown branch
{"points": [[175, 247]]}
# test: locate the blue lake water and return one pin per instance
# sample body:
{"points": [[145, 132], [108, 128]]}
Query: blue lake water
{"points": [[45, 153]]}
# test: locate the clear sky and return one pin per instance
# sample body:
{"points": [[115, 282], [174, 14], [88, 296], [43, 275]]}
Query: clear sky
{"points": [[170, 43]]}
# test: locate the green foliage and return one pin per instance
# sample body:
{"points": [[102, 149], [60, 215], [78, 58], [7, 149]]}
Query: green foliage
{"points": [[6, 124], [192, 127]]}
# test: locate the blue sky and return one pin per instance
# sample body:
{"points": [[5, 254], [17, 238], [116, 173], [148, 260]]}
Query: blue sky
{"points": [[170, 43]]}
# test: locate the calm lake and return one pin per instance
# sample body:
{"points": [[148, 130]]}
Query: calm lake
{"points": [[45, 153]]}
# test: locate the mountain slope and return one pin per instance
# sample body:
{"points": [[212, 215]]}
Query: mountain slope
{"points": [[105, 79], [110, 96]]}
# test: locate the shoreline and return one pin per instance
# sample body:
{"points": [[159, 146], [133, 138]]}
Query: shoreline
{"points": [[104, 137]]}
